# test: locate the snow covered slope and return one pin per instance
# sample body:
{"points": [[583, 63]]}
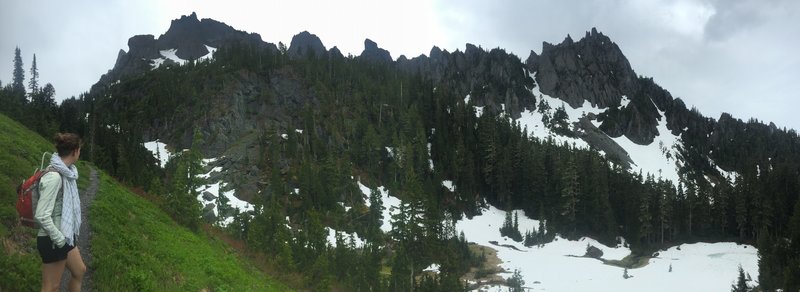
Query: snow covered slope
{"points": [[557, 266], [658, 158]]}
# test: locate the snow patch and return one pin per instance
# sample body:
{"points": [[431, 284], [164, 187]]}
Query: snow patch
{"points": [[214, 188], [478, 111], [210, 55], [346, 237], [434, 268], [159, 151], [391, 205], [449, 185]]}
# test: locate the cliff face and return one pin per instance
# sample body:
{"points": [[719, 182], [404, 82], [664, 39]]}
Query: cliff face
{"points": [[188, 36], [593, 69]]}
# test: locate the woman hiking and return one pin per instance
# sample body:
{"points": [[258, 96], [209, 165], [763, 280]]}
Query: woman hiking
{"points": [[58, 212]]}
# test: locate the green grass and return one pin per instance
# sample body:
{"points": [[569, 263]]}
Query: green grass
{"points": [[138, 247], [21, 153], [135, 245]]}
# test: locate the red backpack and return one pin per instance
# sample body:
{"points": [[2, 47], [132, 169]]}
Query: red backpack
{"points": [[28, 195]]}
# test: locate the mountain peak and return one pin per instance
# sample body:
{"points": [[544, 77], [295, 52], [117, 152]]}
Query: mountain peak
{"points": [[592, 69], [373, 53], [188, 36], [305, 43]]}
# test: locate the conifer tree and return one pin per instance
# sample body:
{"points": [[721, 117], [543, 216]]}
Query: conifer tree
{"points": [[516, 282], [741, 282], [569, 194], [33, 83], [18, 80]]}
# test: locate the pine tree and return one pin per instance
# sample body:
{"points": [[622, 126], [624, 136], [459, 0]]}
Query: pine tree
{"points": [[33, 83], [740, 201], [666, 195], [375, 215], [18, 80], [569, 194], [645, 217], [741, 282], [516, 282]]}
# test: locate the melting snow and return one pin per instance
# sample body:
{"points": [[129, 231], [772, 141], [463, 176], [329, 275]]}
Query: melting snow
{"points": [[432, 268], [159, 151], [695, 267], [449, 185], [358, 242], [390, 205], [647, 158], [210, 54], [650, 158], [171, 54], [214, 189], [478, 111]]}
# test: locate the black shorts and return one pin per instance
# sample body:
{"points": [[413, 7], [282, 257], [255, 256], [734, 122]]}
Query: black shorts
{"points": [[49, 252]]}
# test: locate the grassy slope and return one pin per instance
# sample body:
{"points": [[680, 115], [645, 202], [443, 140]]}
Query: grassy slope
{"points": [[135, 246]]}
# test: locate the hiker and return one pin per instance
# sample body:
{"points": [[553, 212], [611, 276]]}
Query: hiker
{"points": [[58, 212]]}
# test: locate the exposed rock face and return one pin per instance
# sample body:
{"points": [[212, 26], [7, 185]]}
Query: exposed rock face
{"points": [[335, 52], [494, 79], [188, 35], [373, 53], [305, 44], [593, 69]]}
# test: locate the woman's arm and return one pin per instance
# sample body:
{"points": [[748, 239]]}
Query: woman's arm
{"points": [[49, 186]]}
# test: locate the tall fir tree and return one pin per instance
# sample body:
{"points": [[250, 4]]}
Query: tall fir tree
{"points": [[18, 81], [33, 83], [569, 194]]}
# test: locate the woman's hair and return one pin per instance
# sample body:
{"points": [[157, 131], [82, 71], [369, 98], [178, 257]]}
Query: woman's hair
{"points": [[66, 143]]}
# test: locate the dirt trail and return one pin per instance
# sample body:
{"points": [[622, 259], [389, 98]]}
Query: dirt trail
{"points": [[84, 239]]}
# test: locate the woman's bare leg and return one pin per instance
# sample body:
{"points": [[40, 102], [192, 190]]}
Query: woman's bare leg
{"points": [[77, 268], [51, 275]]}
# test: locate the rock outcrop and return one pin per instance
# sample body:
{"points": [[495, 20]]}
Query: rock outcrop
{"points": [[188, 35], [372, 53], [593, 69], [305, 44]]}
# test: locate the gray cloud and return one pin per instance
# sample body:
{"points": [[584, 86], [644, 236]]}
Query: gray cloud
{"points": [[74, 41]]}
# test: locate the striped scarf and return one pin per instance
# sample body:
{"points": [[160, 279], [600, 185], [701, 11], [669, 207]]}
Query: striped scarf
{"points": [[71, 209]]}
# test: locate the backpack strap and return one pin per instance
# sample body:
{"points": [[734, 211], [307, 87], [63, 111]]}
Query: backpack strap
{"points": [[41, 164]]}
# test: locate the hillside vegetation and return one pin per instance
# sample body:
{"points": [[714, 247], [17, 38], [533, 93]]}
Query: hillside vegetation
{"points": [[135, 245]]}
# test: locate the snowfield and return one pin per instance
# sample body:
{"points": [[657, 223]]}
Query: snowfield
{"points": [[695, 267], [559, 265], [652, 158], [658, 158]]}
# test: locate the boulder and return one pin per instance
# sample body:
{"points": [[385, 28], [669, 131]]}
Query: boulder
{"points": [[208, 196]]}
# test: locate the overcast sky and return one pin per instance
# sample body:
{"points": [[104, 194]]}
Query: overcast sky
{"points": [[736, 56]]}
